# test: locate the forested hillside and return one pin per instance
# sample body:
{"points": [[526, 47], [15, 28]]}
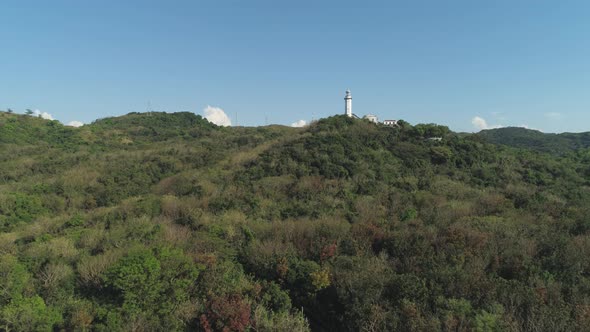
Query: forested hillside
{"points": [[536, 140], [165, 222]]}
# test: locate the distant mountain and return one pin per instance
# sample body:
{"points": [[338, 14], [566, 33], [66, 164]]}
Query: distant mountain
{"points": [[536, 140]]}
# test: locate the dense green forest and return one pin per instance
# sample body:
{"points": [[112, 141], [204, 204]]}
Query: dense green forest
{"points": [[536, 140], [165, 222]]}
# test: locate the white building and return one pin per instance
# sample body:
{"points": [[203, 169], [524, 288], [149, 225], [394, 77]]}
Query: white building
{"points": [[391, 123], [348, 104], [371, 117]]}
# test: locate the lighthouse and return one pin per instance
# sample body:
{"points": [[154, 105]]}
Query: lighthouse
{"points": [[348, 104]]}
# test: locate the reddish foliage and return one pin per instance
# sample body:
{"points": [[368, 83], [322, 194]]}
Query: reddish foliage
{"points": [[372, 235], [282, 268], [256, 290], [583, 314], [542, 293], [227, 313], [328, 251], [208, 260], [205, 323]]}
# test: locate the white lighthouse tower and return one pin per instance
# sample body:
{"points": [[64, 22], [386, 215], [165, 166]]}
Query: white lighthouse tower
{"points": [[348, 104]]}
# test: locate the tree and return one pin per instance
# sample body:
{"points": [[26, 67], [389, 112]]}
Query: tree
{"points": [[28, 314], [151, 286], [136, 279], [227, 313], [14, 278], [29, 111]]}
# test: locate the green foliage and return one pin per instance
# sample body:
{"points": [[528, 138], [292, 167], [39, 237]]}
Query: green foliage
{"points": [[75, 221], [273, 321], [136, 278], [409, 214], [138, 128], [152, 284], [490, 321], [28, 314], [14, 279], [19, 208], [274, 298], [19, 129], [536, 140], [165, 222]]}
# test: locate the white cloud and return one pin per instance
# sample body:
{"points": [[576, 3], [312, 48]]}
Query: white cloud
{"points": [[43, 115], [300, 123], [75, 124], [217, 116], [527, 127], [481, 124], [554, 115]]}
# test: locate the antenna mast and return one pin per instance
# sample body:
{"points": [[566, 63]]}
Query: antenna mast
{"points": [[149, 108]]}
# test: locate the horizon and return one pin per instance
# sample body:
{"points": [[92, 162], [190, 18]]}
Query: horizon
{"points": [[41, 116], [463, 65]]}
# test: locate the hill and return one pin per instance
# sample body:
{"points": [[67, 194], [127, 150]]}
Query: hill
{"points": [[20, 129], [166, 222], [152, 126], [536, 140]]}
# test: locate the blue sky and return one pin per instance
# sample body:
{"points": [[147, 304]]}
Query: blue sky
{"points": [[506, 62]]}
